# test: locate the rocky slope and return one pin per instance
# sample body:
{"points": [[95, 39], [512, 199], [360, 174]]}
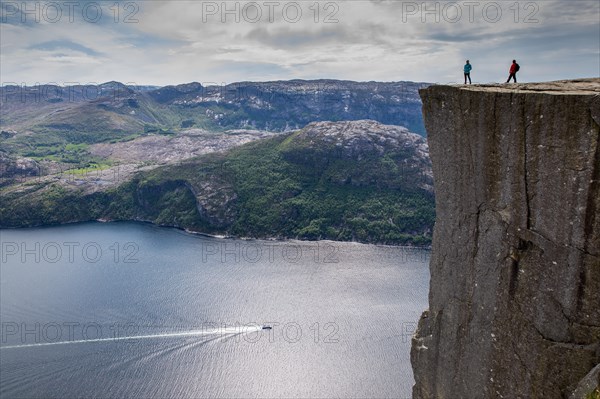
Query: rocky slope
{"points": [[514, 304], [163, 149], [358, 180], [290, 105], [117, 162]]}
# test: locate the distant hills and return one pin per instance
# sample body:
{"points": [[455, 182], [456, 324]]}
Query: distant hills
{"points": [[306, 159], [112, 110], [283, 106]]}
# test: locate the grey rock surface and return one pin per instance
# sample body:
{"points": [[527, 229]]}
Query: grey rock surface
{"points": [[168, 149], [364, 139], [514, 303], [588, 385]]}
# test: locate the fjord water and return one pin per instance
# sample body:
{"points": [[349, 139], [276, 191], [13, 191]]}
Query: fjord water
{"points": [[134, 310]]}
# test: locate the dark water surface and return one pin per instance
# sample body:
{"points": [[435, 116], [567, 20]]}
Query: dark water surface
{"points": [[133, 310]]}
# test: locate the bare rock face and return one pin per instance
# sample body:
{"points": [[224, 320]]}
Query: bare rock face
{"points": [[361, 137], [14, 167], [514, 303]]}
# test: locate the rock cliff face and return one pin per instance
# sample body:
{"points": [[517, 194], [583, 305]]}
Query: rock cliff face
{"points": [[514, 303], [289, 105]]}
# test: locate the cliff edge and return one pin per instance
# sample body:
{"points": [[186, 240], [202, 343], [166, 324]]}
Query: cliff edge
{"points": [[514, 302]]}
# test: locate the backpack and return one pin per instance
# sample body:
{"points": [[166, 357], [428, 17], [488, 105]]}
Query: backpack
{"points": [[517, 67]]}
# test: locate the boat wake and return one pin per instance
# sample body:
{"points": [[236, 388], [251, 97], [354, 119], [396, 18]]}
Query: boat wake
{"points": [[225, 332]]}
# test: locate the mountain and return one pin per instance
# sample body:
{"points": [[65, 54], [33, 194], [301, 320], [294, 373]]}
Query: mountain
{"points": [[351, 180], [40, 121], [56, 125], [290, 105], [47, 116]]}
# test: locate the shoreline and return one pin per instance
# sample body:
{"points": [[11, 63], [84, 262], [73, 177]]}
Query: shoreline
{"points": [[216, 236]]}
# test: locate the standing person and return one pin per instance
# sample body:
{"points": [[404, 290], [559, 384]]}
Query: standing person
{"points": [[514, 68], [467, 70]]}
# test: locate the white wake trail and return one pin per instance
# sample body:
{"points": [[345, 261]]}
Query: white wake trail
{"points": [[196, 333]]}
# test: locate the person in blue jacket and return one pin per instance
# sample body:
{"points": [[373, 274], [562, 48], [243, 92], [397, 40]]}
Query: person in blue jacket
{"points": [[467, 70]]}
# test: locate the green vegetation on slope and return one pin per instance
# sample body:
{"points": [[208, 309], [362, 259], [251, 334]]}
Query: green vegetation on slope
{"points": [[279, 187]]}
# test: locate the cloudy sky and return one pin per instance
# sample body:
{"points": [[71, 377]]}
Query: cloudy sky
{"points": [[171, 42]]}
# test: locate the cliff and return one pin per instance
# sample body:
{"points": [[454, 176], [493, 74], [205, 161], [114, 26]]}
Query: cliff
{"points": [[288, 105], [514, 303]]}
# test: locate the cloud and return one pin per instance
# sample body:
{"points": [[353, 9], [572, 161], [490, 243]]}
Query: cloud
{"points": [[288, 38], [176, 41], [54, 45]]}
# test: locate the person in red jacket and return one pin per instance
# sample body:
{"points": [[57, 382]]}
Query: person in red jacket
{"points": [[514, 68]]}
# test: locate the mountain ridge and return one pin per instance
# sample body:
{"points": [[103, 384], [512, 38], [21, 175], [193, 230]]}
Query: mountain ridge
{"points": [[290, 104]]}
